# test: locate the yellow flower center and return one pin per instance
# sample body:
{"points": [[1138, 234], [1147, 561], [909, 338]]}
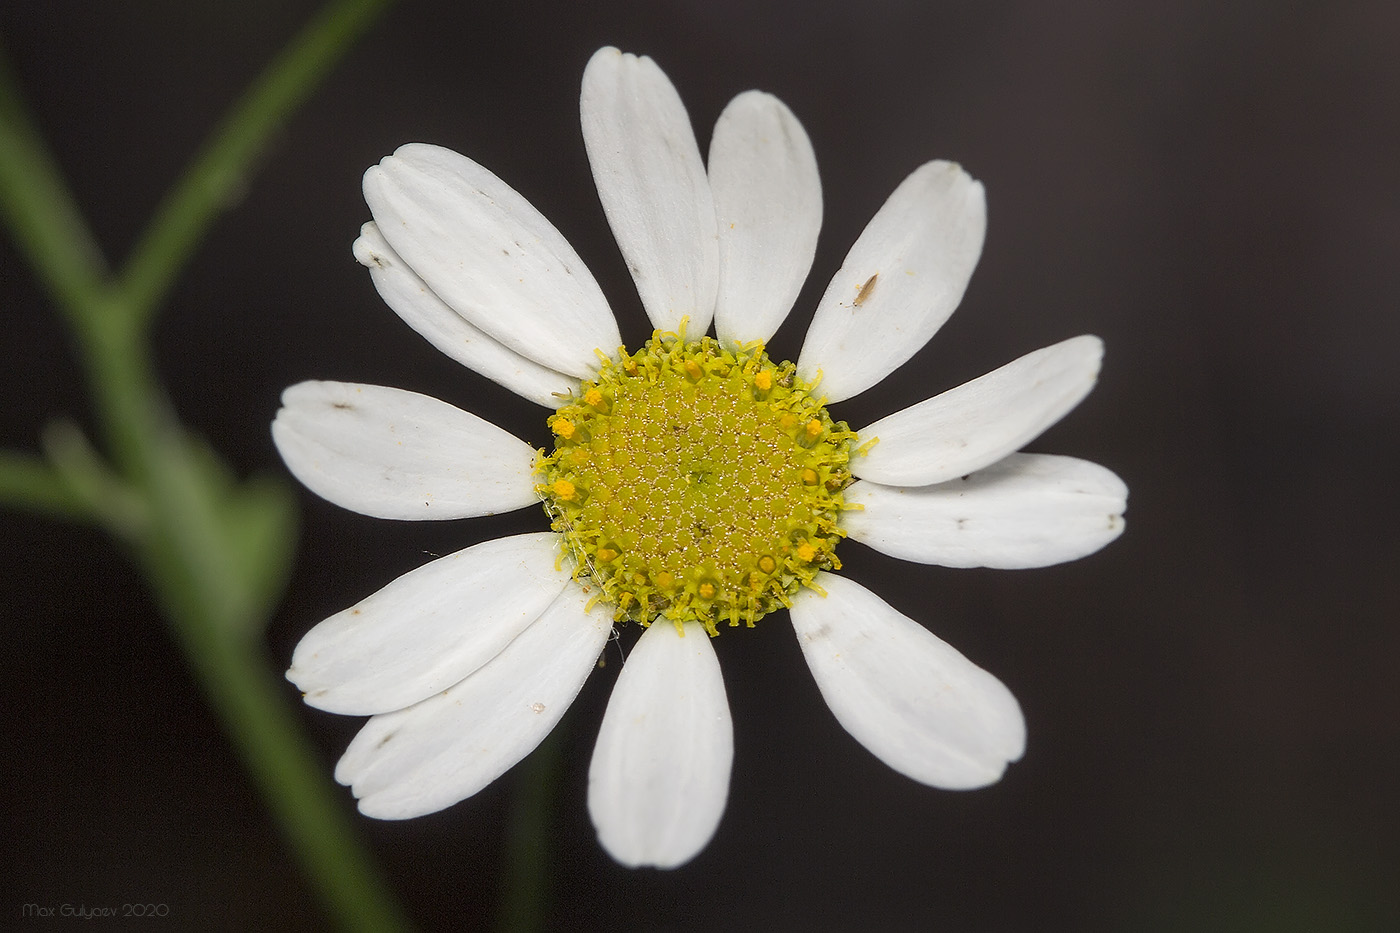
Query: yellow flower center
{"points": [[697, 483]]}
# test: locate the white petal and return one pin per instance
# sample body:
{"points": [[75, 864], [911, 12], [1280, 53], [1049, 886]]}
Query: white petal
{"points": [[653, 187], [659, 778], [900, 281], [411, 299], [981, 421], [429, 628], [1028, 510], [391, 453], [494, 259], [905, 694], [451, 745], [768, 204]]}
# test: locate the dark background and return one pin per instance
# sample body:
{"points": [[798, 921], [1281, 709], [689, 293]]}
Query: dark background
{"points": [[1212, 701]]}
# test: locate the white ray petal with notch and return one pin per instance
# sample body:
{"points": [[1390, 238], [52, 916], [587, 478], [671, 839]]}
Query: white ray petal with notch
{"points": [[976, 424], [491, 256], [768, 205], [391, 453], [1027, 510], [429, 628], [411, 299], [429, 756], [659, 779], [902, 692], [653, 187], [900, 281]]}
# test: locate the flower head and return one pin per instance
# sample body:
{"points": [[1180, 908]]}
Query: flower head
{"points": [[693, 483]]}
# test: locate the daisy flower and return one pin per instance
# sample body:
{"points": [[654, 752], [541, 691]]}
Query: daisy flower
{"points": [[693, 485]]}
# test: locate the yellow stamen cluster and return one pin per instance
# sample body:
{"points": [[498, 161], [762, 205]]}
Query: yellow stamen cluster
{"points": [[695, 482]]}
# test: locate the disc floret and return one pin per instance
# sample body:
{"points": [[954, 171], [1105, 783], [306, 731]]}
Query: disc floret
{"points": [[697, 482]]}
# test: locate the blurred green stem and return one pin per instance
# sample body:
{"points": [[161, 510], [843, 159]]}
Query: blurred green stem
{"points": [[528, 859], [26, 481], [215, 551], [212, 179]]}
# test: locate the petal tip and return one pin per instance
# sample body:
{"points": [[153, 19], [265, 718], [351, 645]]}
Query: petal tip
{"points": [[369, 249]]}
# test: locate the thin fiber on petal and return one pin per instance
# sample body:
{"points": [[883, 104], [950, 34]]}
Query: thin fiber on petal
{"points": [[902, 692], [411, 299], [1027, 510], [451, 745], [391, 453], [653, 188], [768, 205], [979, 422], [920, 248], [429, 628], [659, 778], [495, 260]]}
